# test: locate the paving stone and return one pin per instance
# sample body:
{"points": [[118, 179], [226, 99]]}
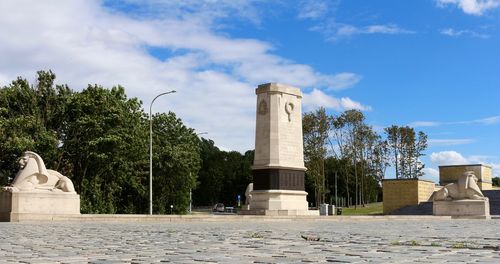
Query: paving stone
{"points": [[469, 241]]}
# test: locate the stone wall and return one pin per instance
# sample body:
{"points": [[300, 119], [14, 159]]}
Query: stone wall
{"points": [[399, 193], [450, 174]]}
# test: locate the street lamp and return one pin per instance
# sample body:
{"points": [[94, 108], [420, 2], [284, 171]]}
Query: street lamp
{"points": [[151, 152]]}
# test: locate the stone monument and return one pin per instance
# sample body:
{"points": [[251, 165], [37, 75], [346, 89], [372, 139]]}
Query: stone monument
{"points": [[278, 169], [37, 193], [461, 199]]}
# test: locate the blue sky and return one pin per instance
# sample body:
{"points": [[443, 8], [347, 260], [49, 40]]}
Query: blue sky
{"points": [[431, 64]]}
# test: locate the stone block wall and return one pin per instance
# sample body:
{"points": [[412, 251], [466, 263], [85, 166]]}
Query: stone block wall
{"points": [[399, 193], [450, 174]]}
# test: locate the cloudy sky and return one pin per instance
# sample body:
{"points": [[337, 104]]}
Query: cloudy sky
{"points": [[431, 64]]}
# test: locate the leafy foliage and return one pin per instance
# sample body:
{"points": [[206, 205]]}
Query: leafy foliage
{"points": [[99, 139], [344, 156], [176, 161], [223, 175], [406, 148]]}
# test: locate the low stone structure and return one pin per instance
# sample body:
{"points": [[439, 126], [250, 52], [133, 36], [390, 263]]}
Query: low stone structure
{"points": [[37, 193], [399, 193], [451, 173]]}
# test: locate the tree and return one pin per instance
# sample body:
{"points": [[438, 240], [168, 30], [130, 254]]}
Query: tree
{"points": [[176, 161], [406, 150], [30, 119], [223, 175], [315, 129], [99, 139], [351, 121], [496, 181], [104, 141]]}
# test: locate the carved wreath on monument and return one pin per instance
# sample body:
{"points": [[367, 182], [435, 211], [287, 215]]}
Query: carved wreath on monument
{"points": [[34, 177]]}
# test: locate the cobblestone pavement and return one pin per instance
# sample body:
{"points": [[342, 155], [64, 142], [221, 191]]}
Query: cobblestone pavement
{"points": [[450, 241]]}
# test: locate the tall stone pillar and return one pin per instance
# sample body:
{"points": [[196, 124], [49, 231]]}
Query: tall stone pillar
{"points": [[278, 170]]}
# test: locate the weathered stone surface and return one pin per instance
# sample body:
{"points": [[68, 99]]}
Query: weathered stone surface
{"points": [[462, 208], [22, 206], [278, 134]]}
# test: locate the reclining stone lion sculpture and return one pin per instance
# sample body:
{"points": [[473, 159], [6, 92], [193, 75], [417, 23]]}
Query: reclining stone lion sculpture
{"points": [[34, 177], [465, 188]]}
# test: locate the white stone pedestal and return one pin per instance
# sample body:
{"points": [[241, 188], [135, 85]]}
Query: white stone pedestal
{"points": [[462, 208], [279, 202], [32, 206]]}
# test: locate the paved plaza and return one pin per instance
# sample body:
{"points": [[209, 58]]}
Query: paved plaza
{"points": [[380, 241]]}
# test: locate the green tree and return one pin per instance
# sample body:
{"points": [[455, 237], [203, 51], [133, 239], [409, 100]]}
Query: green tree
{"points": [[496, 181], [99, 139], [315, 129], [104, 140], [406, 149], [223, 175], [176, 162], [31, 119]]}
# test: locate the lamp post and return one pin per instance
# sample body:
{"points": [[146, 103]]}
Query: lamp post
{"points": [[151, 151]]}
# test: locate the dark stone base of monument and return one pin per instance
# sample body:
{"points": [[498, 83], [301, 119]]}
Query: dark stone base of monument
{"points": [[278, 179]]}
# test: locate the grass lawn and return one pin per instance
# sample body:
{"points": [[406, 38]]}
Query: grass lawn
{"points": [[369, 209]]}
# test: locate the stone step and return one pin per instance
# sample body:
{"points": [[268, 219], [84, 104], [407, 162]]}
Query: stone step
{"points": [[493, 195], [424, 208]]}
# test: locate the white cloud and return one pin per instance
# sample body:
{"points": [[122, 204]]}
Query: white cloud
{"points": [[342, 80], [385, 29], [458, 33], [347, 103], [492, 120], [317, 98], [471, 7], [431, 174], [455, 158], [448, 158], [215, 75], [495, 167], [449, 142], [488, 121], [334, 31], [313, 9], [424, 124]]}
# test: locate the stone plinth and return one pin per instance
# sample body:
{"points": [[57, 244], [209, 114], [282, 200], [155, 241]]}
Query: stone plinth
{"points": [[280, 202], [462, 208], [19, 206]]}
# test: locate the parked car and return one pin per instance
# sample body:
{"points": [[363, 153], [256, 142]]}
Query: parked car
{"points": [[218, 208]]}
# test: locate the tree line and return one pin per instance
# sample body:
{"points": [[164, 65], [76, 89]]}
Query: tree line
{"points": [[99, 138], [347, 159]]}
